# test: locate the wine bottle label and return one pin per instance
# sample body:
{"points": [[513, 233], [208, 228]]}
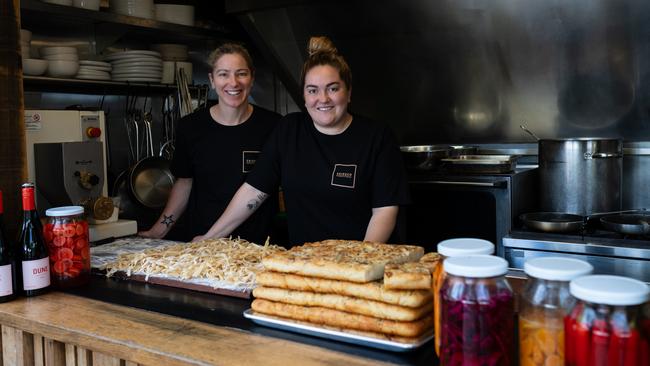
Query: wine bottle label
{"points": [[6, 280], [36, 274]]}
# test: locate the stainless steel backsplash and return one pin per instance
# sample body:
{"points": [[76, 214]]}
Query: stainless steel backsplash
{"points": [[472, 71]]}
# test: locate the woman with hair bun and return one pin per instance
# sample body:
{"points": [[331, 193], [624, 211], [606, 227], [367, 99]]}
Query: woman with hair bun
{"points": [[216, 147], [341, 174]]}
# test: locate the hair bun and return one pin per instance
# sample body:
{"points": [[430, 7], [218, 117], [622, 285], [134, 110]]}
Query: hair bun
{"points": [[321, 44]]}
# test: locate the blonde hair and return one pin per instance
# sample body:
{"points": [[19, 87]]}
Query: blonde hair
{"points": [[230, 49], [321, 51]]}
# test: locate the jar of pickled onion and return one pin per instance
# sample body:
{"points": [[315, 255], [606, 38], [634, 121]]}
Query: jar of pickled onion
{"points": [[545, 301], [66, 236], [477, 312], [605, 325], [453, 248]]}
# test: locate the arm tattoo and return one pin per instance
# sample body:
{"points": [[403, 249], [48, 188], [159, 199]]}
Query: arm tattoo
{"points": [[255, 203], [168, 220]]}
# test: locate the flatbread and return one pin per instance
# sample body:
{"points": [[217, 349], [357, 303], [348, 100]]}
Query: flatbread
{"points": [[344, 303], [336, 318], [371, 290], [347, 260], [387, 337], [432, 260], [407, 276]]}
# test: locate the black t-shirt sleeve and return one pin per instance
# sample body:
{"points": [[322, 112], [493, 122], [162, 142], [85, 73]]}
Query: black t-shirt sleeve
{"points": [[265, 175], [181, 166], [389, 185]]}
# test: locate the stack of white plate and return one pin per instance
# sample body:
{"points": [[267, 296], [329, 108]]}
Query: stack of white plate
{"points": [[94, 70], [136, 65], [134, 8]]}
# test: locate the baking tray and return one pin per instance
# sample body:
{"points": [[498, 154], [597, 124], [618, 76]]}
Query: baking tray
{"points": [[337, 335], [481, 163]]}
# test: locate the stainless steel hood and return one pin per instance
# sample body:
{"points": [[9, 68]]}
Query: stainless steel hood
{"points": [[472, 71]]}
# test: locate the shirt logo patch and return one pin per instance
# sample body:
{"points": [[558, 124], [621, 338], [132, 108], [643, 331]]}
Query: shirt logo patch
{"points": [[344, 175], [248, 160]]}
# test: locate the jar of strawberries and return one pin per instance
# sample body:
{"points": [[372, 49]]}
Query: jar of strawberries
{"points": [[605, 325], [66, 236]]}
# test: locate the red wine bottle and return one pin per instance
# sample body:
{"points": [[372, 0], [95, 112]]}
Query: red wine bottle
{"points": [[8, 280], [35, 261]]}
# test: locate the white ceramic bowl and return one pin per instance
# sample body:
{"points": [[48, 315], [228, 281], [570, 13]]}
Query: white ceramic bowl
{"points": [[25, 35], [86, 4], [25, 51], [59, 2], [58, 50], [134, 8], [175, 13], [62, 69], [34, 67], [171, 51], [62, 57]]}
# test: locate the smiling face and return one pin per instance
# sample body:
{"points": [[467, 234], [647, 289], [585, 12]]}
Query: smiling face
{"points": [[327, 98], [232, 79]]}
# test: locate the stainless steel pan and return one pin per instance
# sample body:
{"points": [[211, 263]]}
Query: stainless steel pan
{"points": [[553, 222], [629, 224]]}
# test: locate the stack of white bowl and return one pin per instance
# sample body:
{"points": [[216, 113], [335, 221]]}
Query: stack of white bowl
{"points": [[31, 66], [174, 57], [134, 8], [175, 13], [136, 65], [94, 70], [63, 61]]}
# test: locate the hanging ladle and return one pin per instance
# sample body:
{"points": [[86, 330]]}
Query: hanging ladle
{"points": [[523, 127]]}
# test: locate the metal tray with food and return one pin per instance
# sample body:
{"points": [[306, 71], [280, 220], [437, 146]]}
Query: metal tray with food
{"points": [[481, 163], [335, 333]]}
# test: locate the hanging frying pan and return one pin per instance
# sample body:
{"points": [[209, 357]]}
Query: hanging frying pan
{"points": [[553, 222], [629, 224]]}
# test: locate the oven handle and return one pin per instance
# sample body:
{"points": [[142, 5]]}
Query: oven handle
{"points": [[495, 184]]}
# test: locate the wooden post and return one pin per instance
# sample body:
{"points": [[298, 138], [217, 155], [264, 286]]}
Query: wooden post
{"points": [[13, 164]]}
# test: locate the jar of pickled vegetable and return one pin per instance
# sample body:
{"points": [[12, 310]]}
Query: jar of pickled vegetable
{"points": [[604, 326], [453, 248], [545, 301], [66, 236], [477, 312]]}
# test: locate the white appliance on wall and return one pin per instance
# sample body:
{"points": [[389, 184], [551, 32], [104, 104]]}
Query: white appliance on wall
{"points": [[58, 143]]}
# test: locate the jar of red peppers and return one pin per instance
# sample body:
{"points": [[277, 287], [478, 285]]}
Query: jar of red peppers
{"points": [[477, 312], [604, 326], [456, 247], [545, 301], [66, 236]]}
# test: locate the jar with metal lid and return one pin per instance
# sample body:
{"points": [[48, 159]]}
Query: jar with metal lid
{"points": [[604, 326], [66, 236], [453, 248], [477, 312], [545, 301]]}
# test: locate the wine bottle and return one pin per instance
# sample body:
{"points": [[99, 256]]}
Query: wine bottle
{"points": [[7, 264], [35, 261]]}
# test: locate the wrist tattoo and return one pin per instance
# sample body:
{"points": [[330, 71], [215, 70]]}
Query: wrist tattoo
{"points": [[168, 220]]}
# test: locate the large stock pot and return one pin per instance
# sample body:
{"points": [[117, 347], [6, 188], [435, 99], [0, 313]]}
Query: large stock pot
{"points": [[581, 175]]}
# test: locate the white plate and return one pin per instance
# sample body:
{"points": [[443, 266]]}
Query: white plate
{"points": [[102, 74], [152, 80], [94, 63], [92, 77], [137, 59], [149, 76], [95, 68], [135, 71], [316, 331], [136, 53]]}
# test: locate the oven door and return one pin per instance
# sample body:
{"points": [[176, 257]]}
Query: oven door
{"points": [[478, 207]]}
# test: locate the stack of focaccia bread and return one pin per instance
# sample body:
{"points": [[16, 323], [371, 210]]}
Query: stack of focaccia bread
{"points": [[372, 289]]}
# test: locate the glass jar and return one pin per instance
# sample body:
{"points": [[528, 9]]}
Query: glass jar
{"points": [[453, 248], [604, 326], [66, 236], [545, 301], [477, 312]]}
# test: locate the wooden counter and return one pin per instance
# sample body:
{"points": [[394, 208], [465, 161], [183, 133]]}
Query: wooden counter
{"points": [[63, 329]]}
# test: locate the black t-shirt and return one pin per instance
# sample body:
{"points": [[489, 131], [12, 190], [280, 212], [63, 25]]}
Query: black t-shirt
{"points": [[331, 182], [218, 158]]}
